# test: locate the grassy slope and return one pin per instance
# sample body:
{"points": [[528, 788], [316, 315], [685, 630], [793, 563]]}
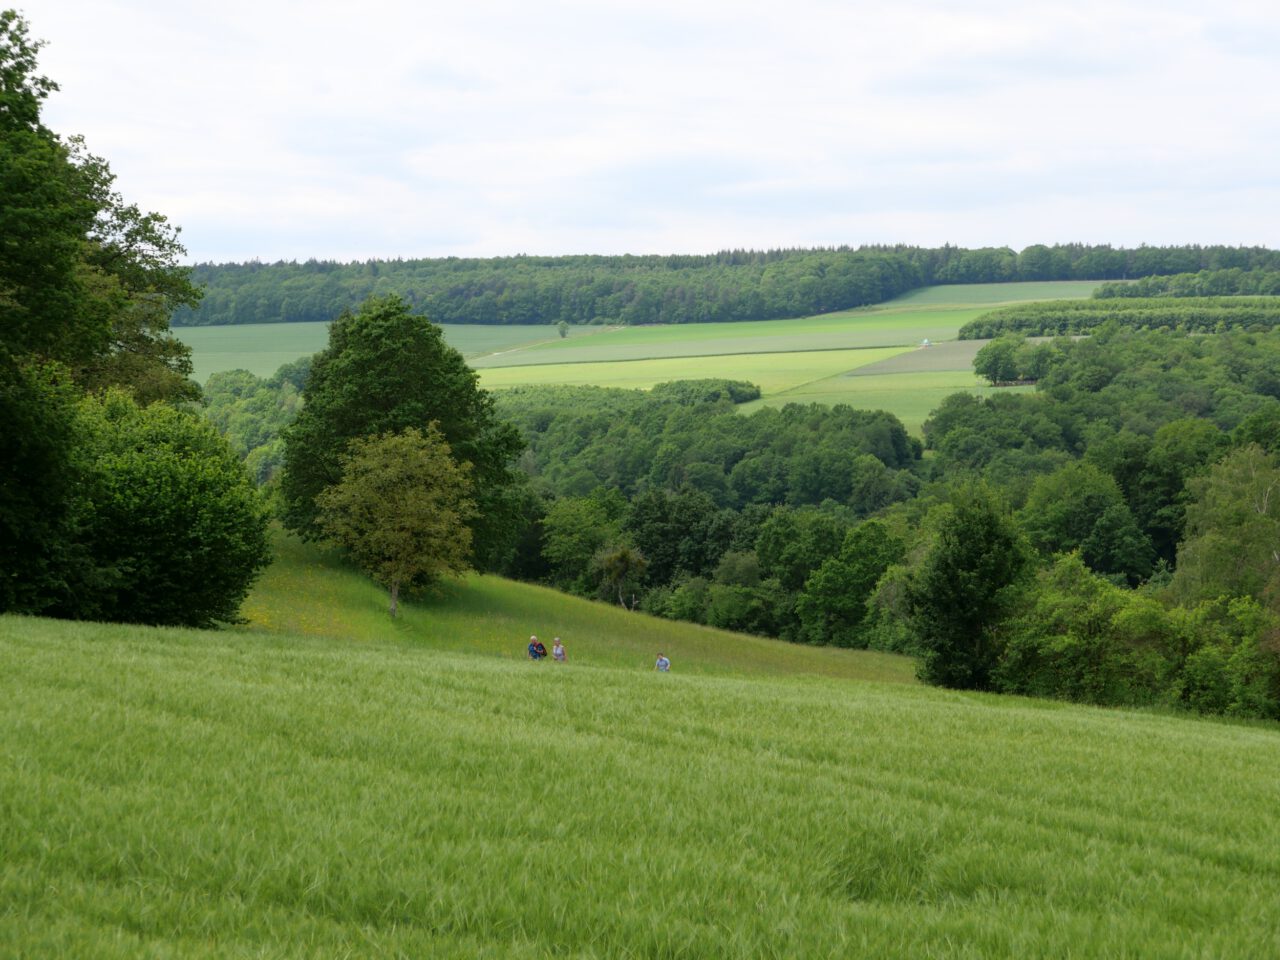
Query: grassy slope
{"points": [[308, 592], [178, 793]]}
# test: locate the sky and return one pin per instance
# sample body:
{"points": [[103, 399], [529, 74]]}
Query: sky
{"points": [[287, 130]]}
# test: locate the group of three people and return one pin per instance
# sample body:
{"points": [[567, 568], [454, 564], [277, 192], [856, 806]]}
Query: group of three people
{"points": [[538, 651]]}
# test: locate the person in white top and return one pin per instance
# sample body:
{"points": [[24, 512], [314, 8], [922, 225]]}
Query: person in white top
{"points": [[557, 652]]}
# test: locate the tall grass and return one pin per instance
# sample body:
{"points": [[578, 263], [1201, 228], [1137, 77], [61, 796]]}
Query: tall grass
{"points": [[176, 793]]}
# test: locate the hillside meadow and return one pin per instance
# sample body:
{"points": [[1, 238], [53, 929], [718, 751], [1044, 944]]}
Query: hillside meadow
{"points": [[250, 793], [309, 591]]}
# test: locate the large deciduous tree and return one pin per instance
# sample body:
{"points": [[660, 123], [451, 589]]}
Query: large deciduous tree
{"points": [[401, 509], [386, 370]]}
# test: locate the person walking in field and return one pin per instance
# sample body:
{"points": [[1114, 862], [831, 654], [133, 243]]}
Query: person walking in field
{"points": [[557, 652], [536, 649], [663, 665]]}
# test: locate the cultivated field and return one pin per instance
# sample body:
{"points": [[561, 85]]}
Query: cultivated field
{"points": [[173, 793], [867, 358], [774, 373], [263, 348]]}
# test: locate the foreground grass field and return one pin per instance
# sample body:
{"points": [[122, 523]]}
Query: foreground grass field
{"points": [[173, 793]]}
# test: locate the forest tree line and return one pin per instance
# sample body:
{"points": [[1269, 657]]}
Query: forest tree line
{"points": [[727, 286], [1072, 317], [1229, 282]]}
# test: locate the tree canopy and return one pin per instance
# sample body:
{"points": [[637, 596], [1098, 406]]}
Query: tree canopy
{"points": [[387, 369]]}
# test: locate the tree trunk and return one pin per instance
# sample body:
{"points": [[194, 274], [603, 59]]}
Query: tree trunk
{"points": [[395, 596]]}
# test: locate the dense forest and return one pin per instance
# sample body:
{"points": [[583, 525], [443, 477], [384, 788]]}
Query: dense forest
{"points": [[1231, 282], [731, 285], [1191, 314]]}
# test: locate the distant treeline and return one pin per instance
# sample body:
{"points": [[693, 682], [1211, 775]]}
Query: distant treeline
{"points": [[1232, 282], [731, 285], [1190, 314]]}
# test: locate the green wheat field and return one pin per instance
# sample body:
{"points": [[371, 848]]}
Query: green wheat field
{"points": [[324, 783]]}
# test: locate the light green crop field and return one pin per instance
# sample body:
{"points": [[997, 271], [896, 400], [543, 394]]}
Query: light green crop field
{"points": [[307, 591], [874, 327], [772, 372], [990, 294], [910, 396], [171, 793], [263, 348]]}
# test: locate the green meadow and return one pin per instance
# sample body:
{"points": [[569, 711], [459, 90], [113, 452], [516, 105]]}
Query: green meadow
{"points": [[324, 782], [309, 592]]}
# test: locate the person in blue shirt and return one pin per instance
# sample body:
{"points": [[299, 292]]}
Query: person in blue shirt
{"points": [[536, 649], [663, 665]]}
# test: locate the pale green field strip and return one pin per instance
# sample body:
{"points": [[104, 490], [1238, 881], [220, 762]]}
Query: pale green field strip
{"points": [[306, 591], [994, 293], [772, 372], [175, 793], [838, 331], [910, 385], [263, 348], [911, 397]]}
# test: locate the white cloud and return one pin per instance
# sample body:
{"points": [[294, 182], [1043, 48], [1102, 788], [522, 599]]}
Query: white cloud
{"points": [[289, 130]]}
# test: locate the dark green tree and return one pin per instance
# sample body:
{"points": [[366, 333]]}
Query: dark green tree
{"points": [[998, 360], [963, 588], [385, 370]]}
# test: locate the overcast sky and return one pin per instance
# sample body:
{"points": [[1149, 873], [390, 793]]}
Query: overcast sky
{"points": [[288, 130]]}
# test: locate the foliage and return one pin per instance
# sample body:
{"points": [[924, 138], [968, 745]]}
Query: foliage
{"points": [[964, 587], [1226, 282], [386, 370], [1079, 637], [94, 280], [39, 476], [1190, 314], [401, 509], [833, 605], [1080, 507], [1232, 546], [172, 528]]}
